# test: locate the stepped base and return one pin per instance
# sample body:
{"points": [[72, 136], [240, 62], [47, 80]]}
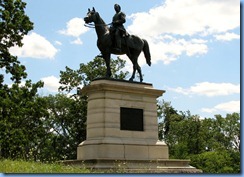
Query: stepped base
{"points": [[126, 149], [135, 166]]}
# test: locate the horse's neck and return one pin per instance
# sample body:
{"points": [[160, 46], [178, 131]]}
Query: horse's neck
{"points": [[101, 27]]}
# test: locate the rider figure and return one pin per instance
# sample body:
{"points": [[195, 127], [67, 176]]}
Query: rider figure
{"points": [[117, 28]]}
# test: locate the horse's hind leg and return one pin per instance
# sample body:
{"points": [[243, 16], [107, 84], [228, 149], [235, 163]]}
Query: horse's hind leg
{"points": [[139, 71], [134, 72], [134, 57], [138, 68]]}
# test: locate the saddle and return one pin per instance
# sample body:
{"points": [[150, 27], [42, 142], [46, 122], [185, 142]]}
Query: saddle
{"points": [[123, 35]]}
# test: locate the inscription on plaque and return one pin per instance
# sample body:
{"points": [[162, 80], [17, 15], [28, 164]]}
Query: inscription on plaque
{"points": [[131, 119]]}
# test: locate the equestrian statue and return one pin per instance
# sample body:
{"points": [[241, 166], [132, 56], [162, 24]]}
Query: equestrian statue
{"points": [[116, 40]]}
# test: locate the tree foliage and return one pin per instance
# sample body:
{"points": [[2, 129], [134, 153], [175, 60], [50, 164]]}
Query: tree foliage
{"points": [[20, 107], [217, 161], [66, 123], [73, 79], [205, 141], [20, 120], [14, 24]]}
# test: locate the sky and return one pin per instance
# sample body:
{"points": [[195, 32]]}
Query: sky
{"points": [[195, 47]]}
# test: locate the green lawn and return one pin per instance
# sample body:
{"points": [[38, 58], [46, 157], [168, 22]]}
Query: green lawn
{"points": [[19, 166]]}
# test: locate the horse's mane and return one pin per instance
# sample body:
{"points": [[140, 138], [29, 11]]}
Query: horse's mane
{"points": [[102, 21]]}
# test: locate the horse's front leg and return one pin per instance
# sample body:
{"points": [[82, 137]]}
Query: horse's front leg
{"points": [[107, 61]]}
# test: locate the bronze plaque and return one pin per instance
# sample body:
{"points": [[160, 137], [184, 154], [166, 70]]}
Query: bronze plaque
{"points": [[131, 119]]}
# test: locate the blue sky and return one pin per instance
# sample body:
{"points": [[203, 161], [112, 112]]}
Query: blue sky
{"points": [[195, 47]]}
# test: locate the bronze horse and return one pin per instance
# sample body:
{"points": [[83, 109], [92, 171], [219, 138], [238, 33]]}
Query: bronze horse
{"points": [[130, 45]]}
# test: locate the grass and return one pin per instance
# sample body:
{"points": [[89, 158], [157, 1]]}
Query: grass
{"points": [[20, 166]]}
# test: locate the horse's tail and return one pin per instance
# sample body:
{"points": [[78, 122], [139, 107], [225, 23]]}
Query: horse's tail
{"points": [[147, 52]]}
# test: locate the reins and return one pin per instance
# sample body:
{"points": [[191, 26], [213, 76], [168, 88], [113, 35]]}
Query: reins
{"points": [[94, 25]]}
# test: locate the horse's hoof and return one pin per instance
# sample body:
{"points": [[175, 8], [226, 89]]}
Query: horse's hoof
{"points": [[131, 79]]}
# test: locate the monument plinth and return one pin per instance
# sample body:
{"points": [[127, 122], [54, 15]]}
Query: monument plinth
{"points": [[122, 130], [122, 122]]}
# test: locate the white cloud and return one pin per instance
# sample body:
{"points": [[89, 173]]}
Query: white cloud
{"points": [[227, 36], [58, 43], [51, 83], [228, 107], [188, 17], [179, 27], [196, 49], [210, 89], [35, 46], [232, 106], [167, 48], [208, 110], [75, 27], [77, 41]]}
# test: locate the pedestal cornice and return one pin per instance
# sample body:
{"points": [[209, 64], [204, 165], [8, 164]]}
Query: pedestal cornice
{"points": [[122, 87]]}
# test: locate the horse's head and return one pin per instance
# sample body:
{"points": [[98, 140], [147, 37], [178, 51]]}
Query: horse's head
{"points": [[91, 16]]}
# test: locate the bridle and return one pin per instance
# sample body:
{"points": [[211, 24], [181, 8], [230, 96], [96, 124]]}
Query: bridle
{"points": [[94, 25]]}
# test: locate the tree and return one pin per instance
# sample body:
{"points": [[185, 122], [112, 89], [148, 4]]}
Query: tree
{"points": [[66, 123], [212, 144], [14, 24], [73, 79], [183, 137], [221, 133], [166, 114], [228, 132], [21, 109], [216, 162], [20, 120]]}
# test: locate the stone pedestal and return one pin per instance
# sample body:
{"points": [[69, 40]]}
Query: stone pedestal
{"points": [[121, 122], [122, 129]]}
